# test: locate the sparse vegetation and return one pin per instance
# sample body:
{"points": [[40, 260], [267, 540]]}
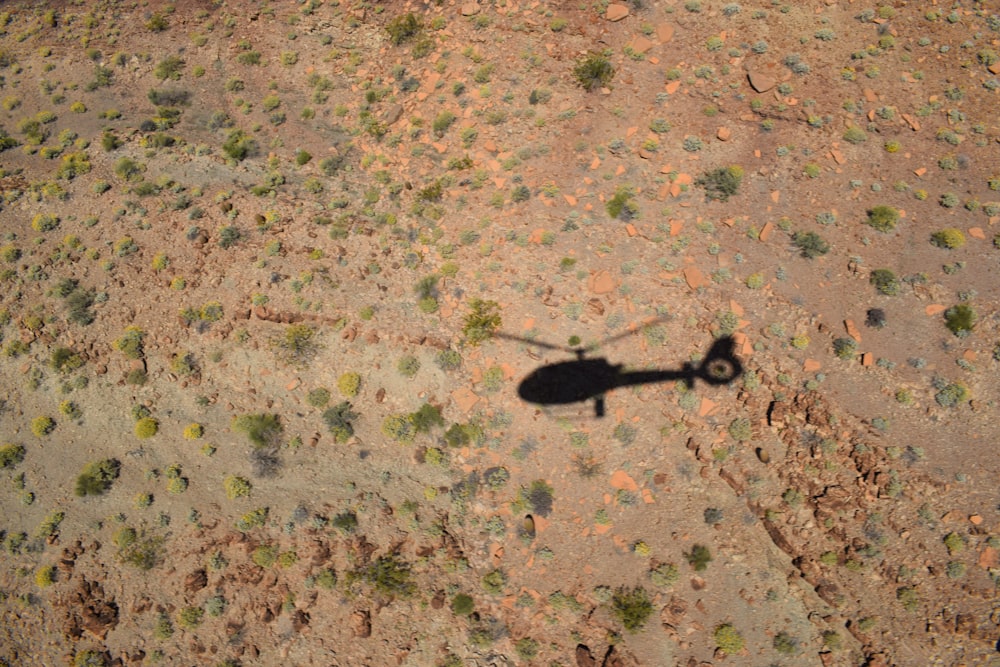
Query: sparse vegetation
{"points": [[316, 211]]}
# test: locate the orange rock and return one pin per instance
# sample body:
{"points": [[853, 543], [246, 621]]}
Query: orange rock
{"points": [[694, 277], [921, 171], [293, 385], [976, 519], [811, 366], [621, 480], [601, 529], [776, 196], [664, 32], [647, 497], [630, 131], [977, 233], [570, 199], [595, 163], [630, 229], [867, 359], [676, 226], [988, 558], [706, 407], [464, 398], [838, 157], [852, 330], [600, 282], [736, 308], [616, 12], [672, 87], [765, 231], [724, 134], [934, 309]]}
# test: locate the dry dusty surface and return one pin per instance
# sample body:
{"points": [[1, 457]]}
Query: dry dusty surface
{"points": [[249, 415]]}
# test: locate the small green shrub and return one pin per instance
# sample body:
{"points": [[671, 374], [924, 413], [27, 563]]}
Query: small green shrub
{"points": [[855, 135], [952, 394], [297, 347], [482, 321], [810, 244], [340, 420], [130, 344], [728, 639], [883, 218], [97, 477], [885, 282], [239, 145], [721, 183], [403, 28], [263, 430], [44, 222], [949, 238], [741, 429], [349, 384], [632, 607], [237, 487], [190, 618], [11, 455], [146, 428], [265, 555], [960, 319], [389, 575], [169, 68], [785, 643], [462, 604], [442, 122], [621, 205], [699, 557], [45, 576], [593, 71], [42, 426], [319, 397], [494, 582], [955, 543], [408, 366], [845, 348]]}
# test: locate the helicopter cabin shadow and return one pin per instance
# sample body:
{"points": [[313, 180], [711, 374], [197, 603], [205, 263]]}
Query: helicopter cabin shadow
{"points": [[582, 379]]}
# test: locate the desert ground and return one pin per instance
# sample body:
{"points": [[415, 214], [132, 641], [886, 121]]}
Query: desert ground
{"points": [[276, 279]]}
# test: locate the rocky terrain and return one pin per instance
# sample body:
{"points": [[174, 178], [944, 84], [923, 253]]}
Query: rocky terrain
{"points": [[272, 274]]}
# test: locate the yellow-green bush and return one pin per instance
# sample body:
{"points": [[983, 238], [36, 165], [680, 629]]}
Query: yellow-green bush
{"points": [[194, 431], [948, 238], [146, 427], [42, 426], [45, 576], [349, 383], [237, 487]]}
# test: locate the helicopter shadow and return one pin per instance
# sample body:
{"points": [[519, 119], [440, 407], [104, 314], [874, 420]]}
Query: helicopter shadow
{"points": [[583, 378]]}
